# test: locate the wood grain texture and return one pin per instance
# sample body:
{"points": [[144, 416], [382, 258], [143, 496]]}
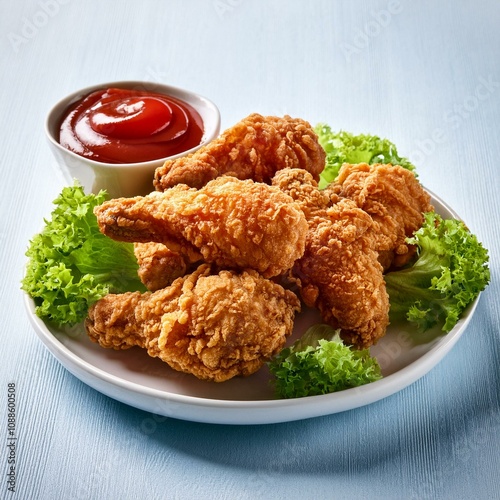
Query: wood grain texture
{"points": [[424, 74]]}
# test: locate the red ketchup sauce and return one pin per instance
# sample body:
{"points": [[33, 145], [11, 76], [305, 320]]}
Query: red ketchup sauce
{"points": [[129, 126]]}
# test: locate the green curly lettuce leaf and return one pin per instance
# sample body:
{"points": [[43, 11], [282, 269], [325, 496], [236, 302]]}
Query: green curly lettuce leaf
{"points": [[343, 147], [71, 264], [450, 271], [320, 363]]}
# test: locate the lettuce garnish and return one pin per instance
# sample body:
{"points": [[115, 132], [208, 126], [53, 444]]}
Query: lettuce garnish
{"points": [[343, 147], [320, 363], [450, 271], [72, 264]]}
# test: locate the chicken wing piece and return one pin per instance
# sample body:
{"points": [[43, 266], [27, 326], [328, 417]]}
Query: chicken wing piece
{"points": [[255, 148], [212, 326], [394, 198], [159, 266], [339, 272], [229, 222]]}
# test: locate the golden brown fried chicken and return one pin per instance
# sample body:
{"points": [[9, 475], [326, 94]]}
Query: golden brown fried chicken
{"points": [[255, 148], [159, 266], [212, 326], [229, 222], [393, 197], [339, 272]]}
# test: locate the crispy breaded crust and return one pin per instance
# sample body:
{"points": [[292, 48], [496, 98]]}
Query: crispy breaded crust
{"points": [[395, 200], [214, 326], [158, 265], [255, 148], [229, 222], [339, 272]]}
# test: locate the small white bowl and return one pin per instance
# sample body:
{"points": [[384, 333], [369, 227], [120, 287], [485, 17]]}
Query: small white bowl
{"points": [[123, 179]]}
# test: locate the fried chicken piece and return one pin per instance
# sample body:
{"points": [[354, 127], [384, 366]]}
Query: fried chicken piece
{"points": [[255, 148], [339, 272], [159, 266], [212, 326], [229, 222], [394, 198]]}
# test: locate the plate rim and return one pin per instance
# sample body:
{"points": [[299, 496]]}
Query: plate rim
{"points": [[260, 411]]}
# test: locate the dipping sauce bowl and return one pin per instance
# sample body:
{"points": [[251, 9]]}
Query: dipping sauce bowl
{"points": [[108, 136]]}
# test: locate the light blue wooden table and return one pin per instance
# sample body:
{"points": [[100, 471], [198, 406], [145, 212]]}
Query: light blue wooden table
{"points": [[424, 74]]}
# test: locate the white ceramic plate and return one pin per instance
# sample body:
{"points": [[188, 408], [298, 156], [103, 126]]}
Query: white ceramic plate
{"points": [[138, 380]]}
